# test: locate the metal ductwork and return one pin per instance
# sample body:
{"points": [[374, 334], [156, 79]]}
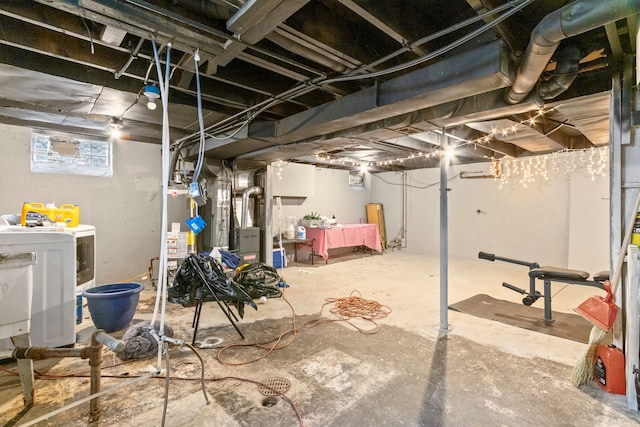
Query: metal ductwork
{"points": [[567, 67], [568, 21], [205, 7], [245, 203]]}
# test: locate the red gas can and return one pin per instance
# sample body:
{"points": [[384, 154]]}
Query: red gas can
{"points": [[608, 371]]}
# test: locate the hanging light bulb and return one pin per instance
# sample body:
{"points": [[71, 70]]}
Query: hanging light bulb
{"points": [[152, 93], [116, 125]]}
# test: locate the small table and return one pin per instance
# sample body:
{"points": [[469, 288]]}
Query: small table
{"points": [[295, 243], [342, 236]]}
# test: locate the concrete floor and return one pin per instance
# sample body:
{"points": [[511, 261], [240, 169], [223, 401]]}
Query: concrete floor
{"points": [[482, 373]]}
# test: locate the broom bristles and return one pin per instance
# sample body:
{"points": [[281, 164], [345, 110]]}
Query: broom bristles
{"points": [[583, 371]]}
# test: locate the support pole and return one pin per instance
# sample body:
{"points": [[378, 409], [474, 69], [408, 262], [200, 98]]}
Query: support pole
{"points": [[444, 236], [267, 243]]}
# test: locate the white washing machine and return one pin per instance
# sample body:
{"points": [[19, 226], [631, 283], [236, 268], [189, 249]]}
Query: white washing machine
{"points": [[53, 305]]}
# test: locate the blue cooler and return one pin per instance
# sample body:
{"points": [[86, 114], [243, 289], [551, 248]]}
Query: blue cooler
{"points": [[279, 258]]}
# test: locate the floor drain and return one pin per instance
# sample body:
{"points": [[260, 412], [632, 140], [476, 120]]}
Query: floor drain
{"points": [[274, 386], [269, 401]]}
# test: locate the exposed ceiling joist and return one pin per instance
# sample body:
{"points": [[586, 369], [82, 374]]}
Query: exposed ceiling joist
{"points": [[311, 77]]}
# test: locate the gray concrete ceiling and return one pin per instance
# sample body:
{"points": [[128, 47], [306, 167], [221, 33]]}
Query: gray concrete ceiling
{"points": [[318, 81]]}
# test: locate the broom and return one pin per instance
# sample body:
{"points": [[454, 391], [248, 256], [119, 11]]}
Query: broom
{"points": [[583, 371]]}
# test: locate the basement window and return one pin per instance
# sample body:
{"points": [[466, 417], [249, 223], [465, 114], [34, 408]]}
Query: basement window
{"points": [[71, 154]]}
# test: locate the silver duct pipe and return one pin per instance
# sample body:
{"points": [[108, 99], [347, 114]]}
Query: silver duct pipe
{"points": [[568, 21], [245, 203], [567, 67]]}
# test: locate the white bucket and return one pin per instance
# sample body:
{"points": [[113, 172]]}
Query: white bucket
{"points": [[302, 232]]}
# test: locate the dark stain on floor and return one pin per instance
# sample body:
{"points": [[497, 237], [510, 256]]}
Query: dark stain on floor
{"points": [[339, 377]]}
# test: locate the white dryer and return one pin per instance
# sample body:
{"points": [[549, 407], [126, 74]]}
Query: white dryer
{"points": [[53, 305]]}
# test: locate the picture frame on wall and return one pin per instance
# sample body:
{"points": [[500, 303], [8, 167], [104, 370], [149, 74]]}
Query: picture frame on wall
{"points": [[356, 179]]}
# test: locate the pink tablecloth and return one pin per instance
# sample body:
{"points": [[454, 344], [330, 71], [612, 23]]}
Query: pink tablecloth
{"points": [[344, 236]]}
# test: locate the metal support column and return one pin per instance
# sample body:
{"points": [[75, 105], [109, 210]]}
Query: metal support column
{"points": [[624, 170], [267, 244], [444, 235]]}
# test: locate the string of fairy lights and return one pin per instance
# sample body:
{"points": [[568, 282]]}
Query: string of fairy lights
{"points": [[525, 171], [508, 171], [509, 130], [346, 161], [436, 153]]}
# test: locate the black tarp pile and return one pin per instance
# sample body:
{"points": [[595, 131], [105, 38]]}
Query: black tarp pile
{"points": [[259, 280], [202, 278]]}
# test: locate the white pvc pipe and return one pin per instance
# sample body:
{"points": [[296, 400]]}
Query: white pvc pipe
{"points": [[161, 292]]}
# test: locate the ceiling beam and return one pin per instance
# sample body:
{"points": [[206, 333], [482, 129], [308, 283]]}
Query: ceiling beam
{"points": [[614, 41], [380, 25], [483, 6], [138, 22], [59, 45]]}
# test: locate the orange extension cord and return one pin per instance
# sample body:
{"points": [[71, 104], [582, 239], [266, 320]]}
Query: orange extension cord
{"points": [[345, 309]]}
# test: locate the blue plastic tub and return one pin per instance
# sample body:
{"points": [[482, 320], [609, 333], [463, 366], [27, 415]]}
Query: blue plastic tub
{"points": [[112, 306]]}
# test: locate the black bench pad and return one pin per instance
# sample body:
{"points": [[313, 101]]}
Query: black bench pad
{"points": [[601, 276], [551, 273]]}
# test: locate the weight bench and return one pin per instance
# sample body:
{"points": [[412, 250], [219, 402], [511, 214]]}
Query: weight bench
{"points": [[548, 275]]}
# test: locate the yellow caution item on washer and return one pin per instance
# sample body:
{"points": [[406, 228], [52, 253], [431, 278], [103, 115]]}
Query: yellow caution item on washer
{"points": [[37, 214]]}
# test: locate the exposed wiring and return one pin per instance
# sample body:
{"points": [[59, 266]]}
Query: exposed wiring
{"points": [[167, 380], [345, 309], [88, 398], [260, 384], [93, 50], [135, 378], [351, 307], [438, 52], [87, 373], [310, 85], [132, 104], [195, 351], [237, 131], [356, 306], [419, 187]]}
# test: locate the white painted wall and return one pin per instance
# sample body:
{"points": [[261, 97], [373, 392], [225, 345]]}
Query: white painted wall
{"points": [[125, 209], [562, 222], [332, 196], [589, 223]]}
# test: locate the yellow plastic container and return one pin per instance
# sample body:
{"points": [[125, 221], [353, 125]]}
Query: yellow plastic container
{"points": [[635, 237], [66, 213]]}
